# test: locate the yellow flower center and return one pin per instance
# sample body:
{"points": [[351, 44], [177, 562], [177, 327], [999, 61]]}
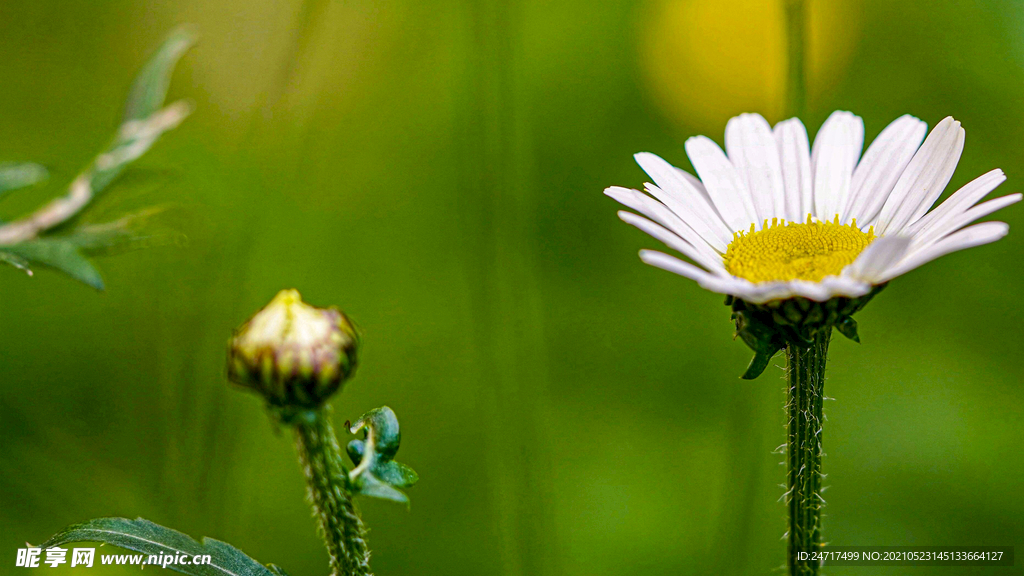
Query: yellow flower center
{"points": [[790, 251]]}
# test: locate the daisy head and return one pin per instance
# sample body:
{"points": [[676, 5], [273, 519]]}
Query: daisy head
{"points": [[779, 225]]}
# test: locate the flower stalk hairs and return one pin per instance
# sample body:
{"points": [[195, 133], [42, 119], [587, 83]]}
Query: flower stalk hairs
{"points": [[799, 238], [297, 356]]}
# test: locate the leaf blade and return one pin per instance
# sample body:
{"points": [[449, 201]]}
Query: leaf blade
{"points": [[15, 261], [151, 83], [376, 473], [148, 538], [134, 137], [60, 255], [14, 175]]}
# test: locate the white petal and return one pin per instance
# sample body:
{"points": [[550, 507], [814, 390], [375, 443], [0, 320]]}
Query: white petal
{"points": [[715, 235], [833, 157], [881, 166], [956, 222], [723, 183], [696, 183], [699, 187], [795, 155], [879, 256], [924, 179], [845, 286], [970, 237], [673, 241], [755, 154], [765, 291], [676, 192], [663, 216], [830, 287], [959, 201], [720, 284]]}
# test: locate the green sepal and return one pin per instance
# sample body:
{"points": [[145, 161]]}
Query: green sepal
{"points": [[848, 327], [290, 415], [769, 327], [276, 570], [376, 473], [147, 538], [759, 337], [758, 363]]}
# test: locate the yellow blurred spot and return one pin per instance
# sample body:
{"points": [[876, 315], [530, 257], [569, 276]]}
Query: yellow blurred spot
{"points": [[809, 251], [708, 60]]}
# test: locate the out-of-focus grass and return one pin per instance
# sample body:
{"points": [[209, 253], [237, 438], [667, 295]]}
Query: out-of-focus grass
{"points": [[436, 170]]}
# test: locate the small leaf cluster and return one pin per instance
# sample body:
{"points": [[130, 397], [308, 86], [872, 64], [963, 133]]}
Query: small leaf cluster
{"points": [[376, 473], [52, 235]]}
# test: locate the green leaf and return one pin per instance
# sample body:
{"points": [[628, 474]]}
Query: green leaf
{"points": [[59, 254], [150, 87], [145, 117], [145, 122], [14, 175], [148, 538], [130, 232], [376, 473], [391, 472], [15, 261]]}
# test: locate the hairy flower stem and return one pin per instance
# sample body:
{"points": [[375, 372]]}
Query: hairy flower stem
{"points": [[327, 478], [806, 397]]}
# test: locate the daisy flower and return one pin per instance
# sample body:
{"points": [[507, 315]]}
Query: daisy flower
{"points": [[772, 218], [799, 238]]}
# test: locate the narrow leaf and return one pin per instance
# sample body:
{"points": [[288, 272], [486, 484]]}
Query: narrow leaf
{"points": [[150, 87], [60, 255], [147, 538], [146, 118], [14, 175], [15, 261], [145, 122], [130, 232]]}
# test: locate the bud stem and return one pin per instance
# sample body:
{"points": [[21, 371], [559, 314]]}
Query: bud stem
{"points": [[327, 478], [806, 397]]}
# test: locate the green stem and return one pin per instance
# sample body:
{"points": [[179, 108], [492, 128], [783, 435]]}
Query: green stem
{"points": [[796, 84], [806, 397], [327, 478]]}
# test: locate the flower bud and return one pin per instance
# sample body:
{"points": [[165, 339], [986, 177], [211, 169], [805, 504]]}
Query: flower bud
{"points": [[294, 354]]}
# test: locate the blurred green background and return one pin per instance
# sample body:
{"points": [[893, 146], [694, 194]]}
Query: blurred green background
{"points": [[435, 169]]}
